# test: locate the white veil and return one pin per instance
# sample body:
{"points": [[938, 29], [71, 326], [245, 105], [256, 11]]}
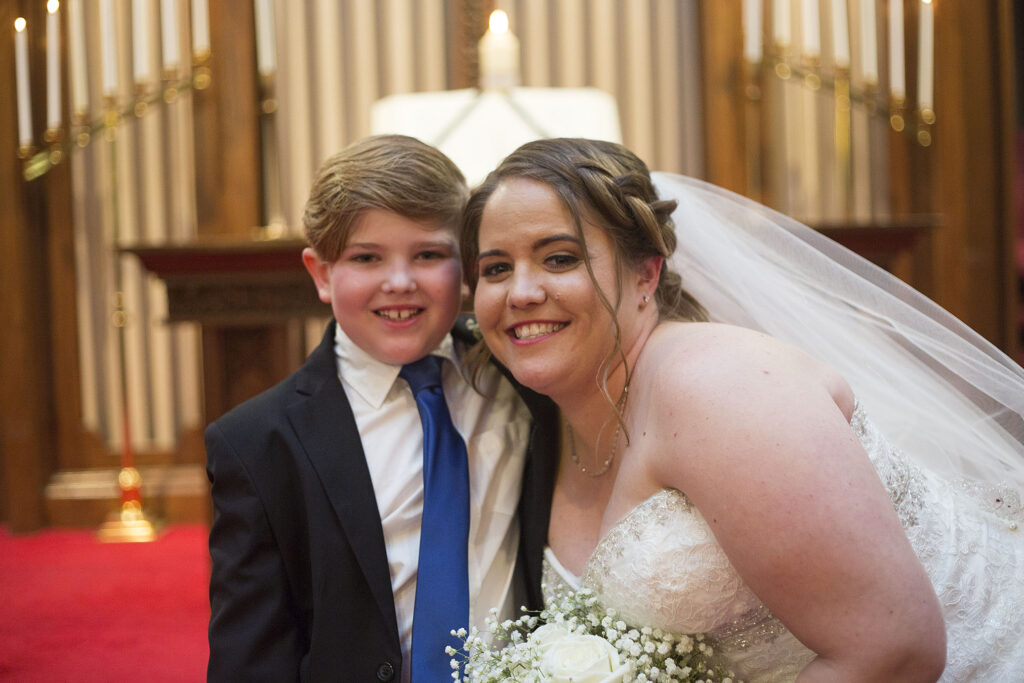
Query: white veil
{"points": [[938, 390]]}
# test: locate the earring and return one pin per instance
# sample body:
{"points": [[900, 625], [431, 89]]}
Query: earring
{"points": [[645, 300]]}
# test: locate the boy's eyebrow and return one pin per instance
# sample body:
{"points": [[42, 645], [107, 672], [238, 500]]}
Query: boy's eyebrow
{"points": [[416, 245], [538, 244]]}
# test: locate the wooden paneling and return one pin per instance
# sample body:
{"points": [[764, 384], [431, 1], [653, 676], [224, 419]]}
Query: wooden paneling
{"points": [[27, 442], [724, 102], [227, 134], [1012, 237], [970, 181]]}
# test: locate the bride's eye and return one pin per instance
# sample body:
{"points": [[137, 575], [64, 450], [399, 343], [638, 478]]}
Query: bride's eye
{"points": [[494, 269], [562, 261]]}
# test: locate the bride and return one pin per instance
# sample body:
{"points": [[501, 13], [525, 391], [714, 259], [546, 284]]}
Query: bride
{"points": [[717, 479]]}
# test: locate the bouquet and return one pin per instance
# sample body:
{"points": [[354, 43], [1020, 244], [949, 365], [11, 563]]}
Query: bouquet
{"points": [[575, 640]]}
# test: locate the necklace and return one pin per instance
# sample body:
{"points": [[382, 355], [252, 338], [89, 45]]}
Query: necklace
{"points": [[621, 407]]}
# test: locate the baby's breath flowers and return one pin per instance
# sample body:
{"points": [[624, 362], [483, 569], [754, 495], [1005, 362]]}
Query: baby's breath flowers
{"points": [[575, 639]]}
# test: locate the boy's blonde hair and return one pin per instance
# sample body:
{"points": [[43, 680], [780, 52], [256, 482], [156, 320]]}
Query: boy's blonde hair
{"points": [[394, 173]]}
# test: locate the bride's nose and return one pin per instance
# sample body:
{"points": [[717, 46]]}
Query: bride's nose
{"points": [[525, 289]]}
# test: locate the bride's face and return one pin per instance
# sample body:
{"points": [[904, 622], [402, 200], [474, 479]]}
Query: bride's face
{"points": [[535, 302]]}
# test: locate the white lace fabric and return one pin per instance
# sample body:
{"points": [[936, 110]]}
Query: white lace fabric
{"points": [[661, 566]]}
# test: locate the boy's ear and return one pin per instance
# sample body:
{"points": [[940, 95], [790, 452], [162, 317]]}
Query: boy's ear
{"points": [[318, 270]]}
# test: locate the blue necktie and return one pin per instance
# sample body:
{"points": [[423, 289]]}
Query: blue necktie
{"points": [[442, 582]]}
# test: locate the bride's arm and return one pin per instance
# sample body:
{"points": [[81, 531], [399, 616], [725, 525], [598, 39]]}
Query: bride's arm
{"points": [[751, 431]]}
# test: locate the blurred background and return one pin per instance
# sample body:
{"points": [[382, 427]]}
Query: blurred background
{"points": [[156, 155]]}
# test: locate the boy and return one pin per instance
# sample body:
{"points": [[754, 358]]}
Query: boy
{"points": [[319, 483]]}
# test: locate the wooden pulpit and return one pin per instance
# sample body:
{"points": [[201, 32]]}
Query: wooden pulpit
{"points": [[249, 298]]}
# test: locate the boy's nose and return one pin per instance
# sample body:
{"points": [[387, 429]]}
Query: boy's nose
{"points": [[399, 278]]}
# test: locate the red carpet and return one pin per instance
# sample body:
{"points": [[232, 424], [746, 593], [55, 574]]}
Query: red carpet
{"points": [[75, 609]]}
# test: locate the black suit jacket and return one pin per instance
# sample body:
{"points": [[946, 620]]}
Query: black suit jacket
{"points": [[300, 586]]}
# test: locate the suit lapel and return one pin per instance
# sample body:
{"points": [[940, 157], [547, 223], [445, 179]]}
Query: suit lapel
{"points": [[538, 488], [326, 428]]}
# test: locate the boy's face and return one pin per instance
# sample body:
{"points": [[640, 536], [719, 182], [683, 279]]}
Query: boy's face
{"points": [[396, 288]]}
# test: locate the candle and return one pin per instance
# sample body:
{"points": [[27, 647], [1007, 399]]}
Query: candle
{"points": [[926, 57], [810, 28], [499, 54], [200, 29], [169, 35], [840, 34], [54, 116], [897, 79], [752, 17], [781, 23], [108, 42], [868, 42], [79, 64], [21, 76], [266, 51], [141, 71]]}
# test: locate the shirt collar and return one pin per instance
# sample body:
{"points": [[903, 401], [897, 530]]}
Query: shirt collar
{"points": [[370, 378]]}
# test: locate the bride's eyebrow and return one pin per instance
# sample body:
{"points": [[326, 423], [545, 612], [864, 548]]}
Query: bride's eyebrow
{"points": [[560, 237], [491, 252], [538, 244]]}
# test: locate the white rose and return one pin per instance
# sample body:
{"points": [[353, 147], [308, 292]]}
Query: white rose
{"points": [[548, 634], [582, 659]]}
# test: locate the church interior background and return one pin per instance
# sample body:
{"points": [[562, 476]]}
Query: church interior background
{"points": [[157, 155]]}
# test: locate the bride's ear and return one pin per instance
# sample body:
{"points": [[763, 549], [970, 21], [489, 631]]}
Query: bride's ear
{"points": [[648, 272]]}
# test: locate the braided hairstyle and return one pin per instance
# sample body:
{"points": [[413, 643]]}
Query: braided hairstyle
{"points": [[608, 186]]}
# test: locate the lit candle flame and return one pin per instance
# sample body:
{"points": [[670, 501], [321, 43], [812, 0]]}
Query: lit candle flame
{"points": [[498, 22], [19, 24], [52, 6]]}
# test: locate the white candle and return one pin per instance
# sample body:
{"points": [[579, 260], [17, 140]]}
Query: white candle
{"points": [[141, 68], [54, 115], [753, 14], [108, 42], [810, 28], [200, 28], [897, 78], [781, 29], [926, 57], [79, 64], [21, 76], [266, 51], [868, 42], [840, 34], [499, 54], [169, 34]]}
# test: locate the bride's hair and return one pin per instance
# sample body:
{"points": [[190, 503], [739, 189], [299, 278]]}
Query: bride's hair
{"points": [[610, 187]]}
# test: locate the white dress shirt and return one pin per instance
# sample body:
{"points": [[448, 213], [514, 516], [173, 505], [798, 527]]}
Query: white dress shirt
{"points": [[496, 431]]}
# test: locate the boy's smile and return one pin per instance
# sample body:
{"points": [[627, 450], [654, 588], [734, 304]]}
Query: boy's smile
{"points": [[396, 287]]}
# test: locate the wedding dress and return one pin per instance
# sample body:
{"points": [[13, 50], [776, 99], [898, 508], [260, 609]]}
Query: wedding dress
{"points": [[660, 566], [946, 436]]}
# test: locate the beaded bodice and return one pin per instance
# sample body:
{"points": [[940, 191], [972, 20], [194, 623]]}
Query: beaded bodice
{"points": [[661, 566]]}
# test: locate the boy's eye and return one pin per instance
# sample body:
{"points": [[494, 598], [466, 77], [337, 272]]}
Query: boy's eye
{"points": [[431, 255], [363, 258], [493, 270]]}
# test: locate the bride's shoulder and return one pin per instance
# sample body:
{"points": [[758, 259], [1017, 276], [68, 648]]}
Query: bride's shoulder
{"points": [[716, 359], [719, 347]]}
